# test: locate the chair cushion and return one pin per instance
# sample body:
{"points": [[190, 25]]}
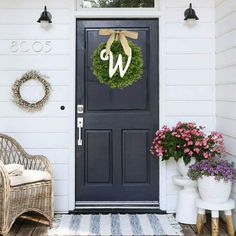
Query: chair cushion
{"points": [[14, 169], [30, 176]]}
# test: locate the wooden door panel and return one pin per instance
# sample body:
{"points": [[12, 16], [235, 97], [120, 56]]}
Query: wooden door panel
{"points": [[135, 145], [114, 162], [98, 166], [116, 99]]}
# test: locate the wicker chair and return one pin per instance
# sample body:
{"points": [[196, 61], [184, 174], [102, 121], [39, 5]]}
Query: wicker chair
{"points": [[31, 197]]}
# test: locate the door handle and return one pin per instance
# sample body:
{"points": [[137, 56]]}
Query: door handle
{"points": [[80, 124]]}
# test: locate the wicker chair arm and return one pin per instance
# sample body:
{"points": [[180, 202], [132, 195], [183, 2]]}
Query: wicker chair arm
{"points": [[4, 177], [37, 162], [15, 153]]}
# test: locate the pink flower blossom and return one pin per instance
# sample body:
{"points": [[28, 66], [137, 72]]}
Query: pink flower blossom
{"points": [[187, 139], [206, 155], [186, 150], [197, 150]]}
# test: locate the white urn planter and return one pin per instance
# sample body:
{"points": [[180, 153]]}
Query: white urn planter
{"points": [[214, 191], [183, 169]]}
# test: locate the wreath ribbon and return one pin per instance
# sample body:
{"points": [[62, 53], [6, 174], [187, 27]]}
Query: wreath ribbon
{"points": [[118, 35]]}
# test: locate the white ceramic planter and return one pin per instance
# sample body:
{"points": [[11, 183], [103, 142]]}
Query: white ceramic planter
{"points": [[186, 210], [183, 169], [214, 191]]}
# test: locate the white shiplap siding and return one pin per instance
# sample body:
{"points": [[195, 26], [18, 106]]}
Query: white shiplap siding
{"points": [[190, 55], [46, 132], [225, 76]]}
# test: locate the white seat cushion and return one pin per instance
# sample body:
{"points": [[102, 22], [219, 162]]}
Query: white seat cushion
{"points": [[30, 176], [14, 169]]}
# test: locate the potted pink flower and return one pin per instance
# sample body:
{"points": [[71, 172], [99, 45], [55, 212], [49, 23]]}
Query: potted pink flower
{"points": [[186, 143]]}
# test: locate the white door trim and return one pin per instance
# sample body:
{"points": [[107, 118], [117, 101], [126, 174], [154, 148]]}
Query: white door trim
{"points": [[121, 13]]}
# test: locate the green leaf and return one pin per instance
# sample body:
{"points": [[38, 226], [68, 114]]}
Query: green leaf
{"points": [[101, 68]]}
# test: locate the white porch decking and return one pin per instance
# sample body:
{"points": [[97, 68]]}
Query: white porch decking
{"points": [[35, 226]]}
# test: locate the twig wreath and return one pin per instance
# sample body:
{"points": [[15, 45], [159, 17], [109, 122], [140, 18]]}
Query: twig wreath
{"points": [[30, 106], [126, 56]]}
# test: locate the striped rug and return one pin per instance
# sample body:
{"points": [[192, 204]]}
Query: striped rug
{"points": [[115, 224]]}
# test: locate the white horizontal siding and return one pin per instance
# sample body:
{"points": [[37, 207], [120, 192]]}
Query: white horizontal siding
{"points": [[191, 62], [51, 109], [61, 203], [58, 169], [56, 77], [229, 79], [225, 76], [190, 108], [185, 3], [226, 109], [46, 132], [218, 2], [14, 16], [189, 46], [226, 24], [226, 59], [26, 4], [183, 30], [226, 126], [61, 187], [226, 92], [37, 124], [39, 62], [189, 75], [226, 42], [224, 9], [35, 31], [189, 93]]}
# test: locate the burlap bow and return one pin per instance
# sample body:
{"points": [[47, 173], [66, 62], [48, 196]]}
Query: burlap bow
{"points": [[118, 35]]}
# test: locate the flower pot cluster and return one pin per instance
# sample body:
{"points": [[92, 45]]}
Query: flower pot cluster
{"points": [[199, 156]]}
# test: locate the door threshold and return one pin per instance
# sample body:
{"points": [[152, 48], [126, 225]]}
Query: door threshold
{"points": [[117, 203], [117, 207]]}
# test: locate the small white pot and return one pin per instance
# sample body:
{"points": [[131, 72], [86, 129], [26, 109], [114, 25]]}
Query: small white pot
{"points": [[183, 169], [214, 191]]}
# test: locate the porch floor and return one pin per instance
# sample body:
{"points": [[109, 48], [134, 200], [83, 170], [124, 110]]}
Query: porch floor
{"points": [[35, 226]]}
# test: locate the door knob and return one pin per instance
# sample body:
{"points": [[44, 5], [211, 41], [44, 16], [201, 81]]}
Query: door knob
{"points": [[80, 124]]}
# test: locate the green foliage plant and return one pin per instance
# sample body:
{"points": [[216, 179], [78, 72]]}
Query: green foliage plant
{"points": [[101, 68]]}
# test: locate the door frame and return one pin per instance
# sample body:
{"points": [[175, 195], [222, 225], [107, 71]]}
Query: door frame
{"points": [[125, 14]]}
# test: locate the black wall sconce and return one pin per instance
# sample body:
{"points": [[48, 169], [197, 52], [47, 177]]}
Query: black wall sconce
{"points": [[190, 14], [46, 16]]}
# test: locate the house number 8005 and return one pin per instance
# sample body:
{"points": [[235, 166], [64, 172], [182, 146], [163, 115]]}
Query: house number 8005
{"points": [[29, 46]]}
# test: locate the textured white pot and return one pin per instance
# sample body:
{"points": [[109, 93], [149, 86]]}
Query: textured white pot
{"points": [[183, 169], [214, 191]]}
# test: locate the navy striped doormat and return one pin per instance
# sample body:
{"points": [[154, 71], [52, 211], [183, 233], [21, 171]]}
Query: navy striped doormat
{"points": [[115, 224]]}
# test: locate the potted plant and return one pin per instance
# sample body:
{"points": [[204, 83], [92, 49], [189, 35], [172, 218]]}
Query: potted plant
{"points": [[214, 177], [186, 143]]}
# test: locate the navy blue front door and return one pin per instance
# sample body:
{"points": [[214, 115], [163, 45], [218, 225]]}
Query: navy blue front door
{"points": [[114, 162]]}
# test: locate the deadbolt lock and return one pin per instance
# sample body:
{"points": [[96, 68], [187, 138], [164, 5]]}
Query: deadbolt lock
{"points": [[80, 109]]}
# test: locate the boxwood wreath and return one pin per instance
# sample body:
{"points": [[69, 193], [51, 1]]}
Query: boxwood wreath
{"points": [[26, 105], [101, 68]]}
